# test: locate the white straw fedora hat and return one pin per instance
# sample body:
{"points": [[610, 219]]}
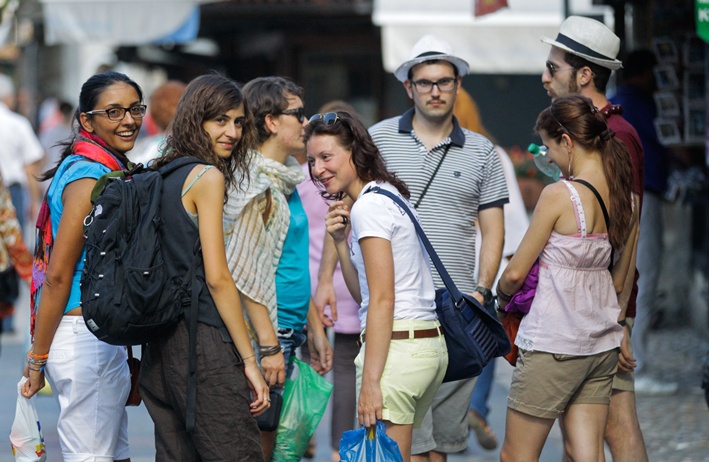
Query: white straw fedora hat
{"points": [[589, 39], [430, 48]]}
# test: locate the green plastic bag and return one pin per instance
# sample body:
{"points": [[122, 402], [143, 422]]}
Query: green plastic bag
{"points": [[305, 398]]}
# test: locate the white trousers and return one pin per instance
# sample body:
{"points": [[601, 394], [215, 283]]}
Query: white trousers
{"points": [[91, 381]]}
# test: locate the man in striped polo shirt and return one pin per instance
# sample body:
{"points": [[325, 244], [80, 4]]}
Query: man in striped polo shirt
{"points": [[455, 178]]}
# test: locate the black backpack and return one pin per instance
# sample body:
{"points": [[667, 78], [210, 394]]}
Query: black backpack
{"points": [[126, 298]]}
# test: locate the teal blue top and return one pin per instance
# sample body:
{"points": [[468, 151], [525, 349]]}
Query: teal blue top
{"points": [[293, 274], [71, 169]]}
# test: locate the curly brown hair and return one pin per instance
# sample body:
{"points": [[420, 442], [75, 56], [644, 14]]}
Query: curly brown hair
{"points": [[353, 136], [205, 98], [576, 117]]}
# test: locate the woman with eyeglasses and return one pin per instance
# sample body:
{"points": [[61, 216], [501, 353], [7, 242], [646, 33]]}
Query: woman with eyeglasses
{"points": [[89, 377], [403, 357], [569, 341]]}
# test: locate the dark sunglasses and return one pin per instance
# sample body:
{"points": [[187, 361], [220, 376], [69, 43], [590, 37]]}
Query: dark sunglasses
{"points": [[299, 113], [552, 68], [329, 118]]}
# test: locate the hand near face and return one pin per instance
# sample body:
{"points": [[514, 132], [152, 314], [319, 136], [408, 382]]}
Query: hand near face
{"points": [[337, 221]]}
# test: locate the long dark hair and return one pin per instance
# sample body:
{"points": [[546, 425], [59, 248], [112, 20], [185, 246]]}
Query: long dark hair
{"points": [[576, 117], [353, 136], [91, 92], [205, 98]]}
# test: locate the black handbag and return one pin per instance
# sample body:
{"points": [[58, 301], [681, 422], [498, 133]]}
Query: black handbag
{"points": [[9, 285], [268, 421], [473, 335]]}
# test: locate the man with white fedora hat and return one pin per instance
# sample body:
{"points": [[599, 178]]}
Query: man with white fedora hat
{"points": [[455, 178], [581, 60]]}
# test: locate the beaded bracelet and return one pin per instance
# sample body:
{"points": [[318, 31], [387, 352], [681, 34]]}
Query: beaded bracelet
{"points": [[37, 360]]}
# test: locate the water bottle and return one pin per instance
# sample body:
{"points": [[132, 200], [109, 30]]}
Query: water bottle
{"points": [[542, 161]]}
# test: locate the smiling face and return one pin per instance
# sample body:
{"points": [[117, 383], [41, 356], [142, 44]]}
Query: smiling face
{"points": [[118, 135], [435, 105], [225, 131], [563, 83], [331, 164]]}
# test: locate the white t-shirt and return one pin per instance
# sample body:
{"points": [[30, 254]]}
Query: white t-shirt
{"points": [[19, 147], [375, 215]]}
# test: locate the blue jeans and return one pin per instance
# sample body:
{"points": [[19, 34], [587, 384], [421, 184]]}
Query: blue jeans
{"points": [[290, 340], [481, 392], [483, 387]]}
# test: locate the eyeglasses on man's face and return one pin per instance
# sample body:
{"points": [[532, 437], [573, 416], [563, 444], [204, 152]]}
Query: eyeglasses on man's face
{"points": [[118, 113], [328, 118], [553, 68], [299, 113], [426, 86]]}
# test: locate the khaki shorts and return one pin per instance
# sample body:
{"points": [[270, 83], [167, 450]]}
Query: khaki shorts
{"points": [[413, 372], [625, 381], [545, 384]]}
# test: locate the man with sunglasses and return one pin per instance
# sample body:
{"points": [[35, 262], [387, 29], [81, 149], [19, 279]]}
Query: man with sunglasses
{"points": [[455, 177], [267, 251], [581, 60]]}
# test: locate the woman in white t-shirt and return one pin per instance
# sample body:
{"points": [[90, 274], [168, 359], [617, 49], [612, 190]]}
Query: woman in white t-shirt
{"points": [[403, 356]]}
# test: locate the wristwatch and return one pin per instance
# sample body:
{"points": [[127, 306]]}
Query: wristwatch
{"points": [[486, 293]]}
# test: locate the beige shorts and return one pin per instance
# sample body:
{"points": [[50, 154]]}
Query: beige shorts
{"points": [[545, 384], [625, 381], [413, 372]]}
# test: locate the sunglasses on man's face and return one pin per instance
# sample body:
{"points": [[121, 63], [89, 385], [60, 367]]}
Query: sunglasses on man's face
{"points": [[299, 113], [553, 68], [328, 118]]}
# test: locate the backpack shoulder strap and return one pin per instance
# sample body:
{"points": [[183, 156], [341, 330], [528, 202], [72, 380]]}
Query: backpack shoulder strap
{"points": [[178, 163]]}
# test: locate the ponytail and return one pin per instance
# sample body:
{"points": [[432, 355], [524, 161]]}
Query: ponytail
{"points": [[619, 173]]}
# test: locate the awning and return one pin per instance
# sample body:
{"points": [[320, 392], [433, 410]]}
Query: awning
{"points": [[119, 22], [504, 42]]}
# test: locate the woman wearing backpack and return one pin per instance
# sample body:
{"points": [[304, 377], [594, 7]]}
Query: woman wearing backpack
{"points": [[569, 341], [90, 378], [403, 357], [213, 125]]}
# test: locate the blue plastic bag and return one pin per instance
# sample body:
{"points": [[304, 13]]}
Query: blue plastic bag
{"points": [[369, 445]]}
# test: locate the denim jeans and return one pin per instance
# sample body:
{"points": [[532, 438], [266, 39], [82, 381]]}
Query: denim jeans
{"points": [[290, 340]]}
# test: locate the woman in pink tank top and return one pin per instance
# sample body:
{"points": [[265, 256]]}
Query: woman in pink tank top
{"points": [[569, 341]]}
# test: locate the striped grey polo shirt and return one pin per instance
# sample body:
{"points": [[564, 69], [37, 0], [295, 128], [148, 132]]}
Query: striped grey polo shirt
{"points": [[470, 179]]}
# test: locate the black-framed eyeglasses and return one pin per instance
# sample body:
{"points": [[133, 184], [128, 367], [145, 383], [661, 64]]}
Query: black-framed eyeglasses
{"points": [[426, 86], [118, 113], [328, 118], [299, 113], [553, 68]]}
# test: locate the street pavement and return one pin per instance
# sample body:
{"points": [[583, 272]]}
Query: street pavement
{"points": [[676, 428]]}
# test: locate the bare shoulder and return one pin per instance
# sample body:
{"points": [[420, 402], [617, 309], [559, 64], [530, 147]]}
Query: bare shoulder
{"points": [[554, 192], [209, 177]]}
